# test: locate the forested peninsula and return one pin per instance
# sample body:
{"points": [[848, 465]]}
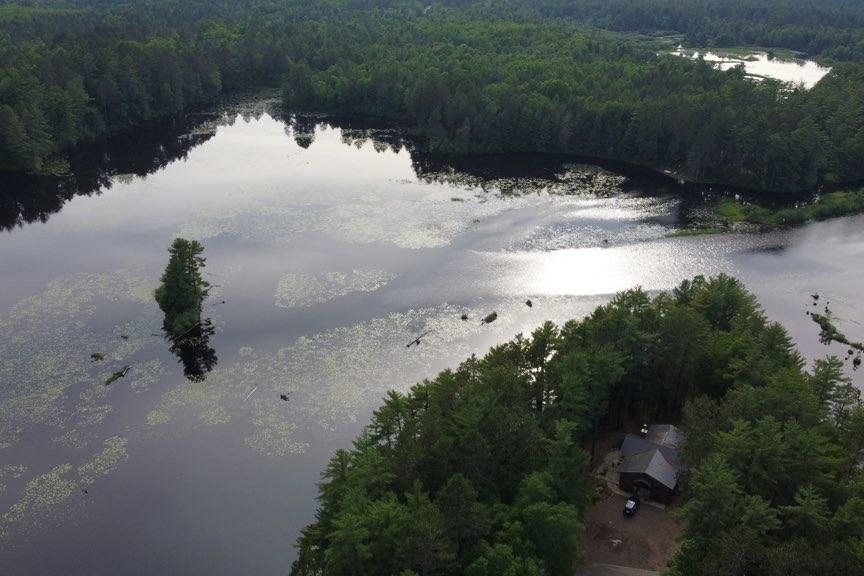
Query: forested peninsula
{"points": [[485, 470], [589, 78]]}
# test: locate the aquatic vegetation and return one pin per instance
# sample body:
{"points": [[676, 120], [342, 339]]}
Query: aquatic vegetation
{"points": [[732, 212], [206, 398], [302, 290], [588, 223], [569, 180], [97, 357], [252, 220], [430, 221], [104, 462], [145, 374], [830, 333], [10, 472], [44, 494], [329, 376], [41, 364], [215, 415], [49, 383], [40, 495], [158, 417], [88, 415], [274, 434]]}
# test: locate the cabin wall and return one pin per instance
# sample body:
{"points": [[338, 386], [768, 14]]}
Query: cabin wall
{"points": [[659, 492]]}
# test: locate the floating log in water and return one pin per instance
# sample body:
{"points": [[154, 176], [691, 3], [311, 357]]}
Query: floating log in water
{"points": [[117, 375], [490, 318], [417, 340]]}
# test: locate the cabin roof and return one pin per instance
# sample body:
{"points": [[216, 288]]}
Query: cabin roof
{"points": [[655, 455], [653, 464], [666, 435], [634, 445]]}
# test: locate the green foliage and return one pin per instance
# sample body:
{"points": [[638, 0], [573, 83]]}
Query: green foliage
{"points": [[775, 468], [182, 289], [466, 76], [829, 333], [468, 84], [485, 470], [831, 205], [556, 532]]}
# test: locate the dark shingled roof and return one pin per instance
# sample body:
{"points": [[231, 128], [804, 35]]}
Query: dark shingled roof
{"points": [[666, 435], [634, 444], [655, 455], [654, 465]]}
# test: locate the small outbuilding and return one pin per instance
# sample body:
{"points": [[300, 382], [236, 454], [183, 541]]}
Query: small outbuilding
{"points": [[649, 462]]}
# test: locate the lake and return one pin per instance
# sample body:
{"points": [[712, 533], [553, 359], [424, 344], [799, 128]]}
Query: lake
{"points": [[330, 246], [759, 65]]}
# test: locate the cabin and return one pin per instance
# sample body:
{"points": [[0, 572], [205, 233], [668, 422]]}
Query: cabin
{"points": [[649, 462]]}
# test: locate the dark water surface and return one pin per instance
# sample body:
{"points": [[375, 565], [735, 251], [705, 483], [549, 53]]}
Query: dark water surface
{"points": [[330, 253]]}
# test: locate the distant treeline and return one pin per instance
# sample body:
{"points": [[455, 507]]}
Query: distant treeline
{"points": [[485, 470], [493, 86], [467, 76], [833, 28]]}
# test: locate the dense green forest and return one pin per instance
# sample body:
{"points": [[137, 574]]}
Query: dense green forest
{"points": [[551, 76], [485, 470], [479, 86]]}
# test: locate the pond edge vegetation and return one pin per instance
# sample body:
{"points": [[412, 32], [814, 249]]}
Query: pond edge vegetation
{"points": [[733, 214]]}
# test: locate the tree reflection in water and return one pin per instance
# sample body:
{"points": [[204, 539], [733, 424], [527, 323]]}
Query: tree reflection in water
{"points": [[193, 351]]}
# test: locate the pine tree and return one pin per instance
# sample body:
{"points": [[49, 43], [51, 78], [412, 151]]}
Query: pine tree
{"points": [[183, 289]]}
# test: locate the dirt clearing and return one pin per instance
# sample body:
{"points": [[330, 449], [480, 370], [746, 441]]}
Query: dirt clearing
{"points": [[647, 540]]}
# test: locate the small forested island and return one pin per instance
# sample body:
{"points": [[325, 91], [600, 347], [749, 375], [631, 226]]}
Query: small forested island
{"points": [[486, 470], [182, 289]]}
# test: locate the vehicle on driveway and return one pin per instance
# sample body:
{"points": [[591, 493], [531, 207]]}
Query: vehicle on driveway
{"points": [[631, 505]]}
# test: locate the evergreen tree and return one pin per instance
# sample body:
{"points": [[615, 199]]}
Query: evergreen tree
{"points": [[182, 289]]}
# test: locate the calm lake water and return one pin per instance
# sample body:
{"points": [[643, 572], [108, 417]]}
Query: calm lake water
{"points": [[329, 250], [762, 65]]}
